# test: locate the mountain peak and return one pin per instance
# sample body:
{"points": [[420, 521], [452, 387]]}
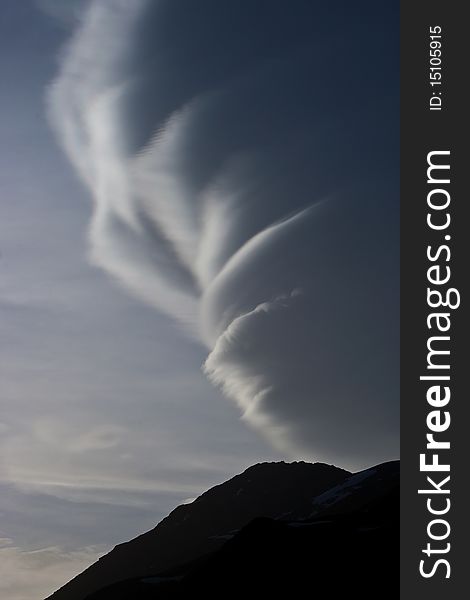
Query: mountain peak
{"points": [[277, 491]]}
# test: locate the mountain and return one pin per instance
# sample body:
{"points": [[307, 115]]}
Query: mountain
{"points": [[194, 531], [348, 548]]}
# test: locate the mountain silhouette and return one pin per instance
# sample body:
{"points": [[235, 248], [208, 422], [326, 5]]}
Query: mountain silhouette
{"points": [[274, 529]]}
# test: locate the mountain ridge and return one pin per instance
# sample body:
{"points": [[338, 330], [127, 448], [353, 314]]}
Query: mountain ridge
{"points": [[199, 532]]}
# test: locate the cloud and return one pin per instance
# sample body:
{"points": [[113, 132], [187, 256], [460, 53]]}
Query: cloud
{"points": [[42, 570], [65, 13], [314, 369], [73, 459], [234, 157]]}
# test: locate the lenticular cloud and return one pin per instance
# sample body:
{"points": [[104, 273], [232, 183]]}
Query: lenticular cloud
{"points": [[243, 173]]}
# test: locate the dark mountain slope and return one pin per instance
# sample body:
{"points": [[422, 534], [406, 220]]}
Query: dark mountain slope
{"points": [[348, 548], [198, 529]]}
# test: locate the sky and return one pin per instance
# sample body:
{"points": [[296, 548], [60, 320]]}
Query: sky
{"points": [[198, 258]]}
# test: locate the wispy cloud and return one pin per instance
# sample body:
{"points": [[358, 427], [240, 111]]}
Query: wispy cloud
{"points": [[43, 570], [224, 181]]}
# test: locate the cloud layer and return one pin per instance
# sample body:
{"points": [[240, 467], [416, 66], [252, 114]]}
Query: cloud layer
{"points": [[39, 568], [242, 158]]}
